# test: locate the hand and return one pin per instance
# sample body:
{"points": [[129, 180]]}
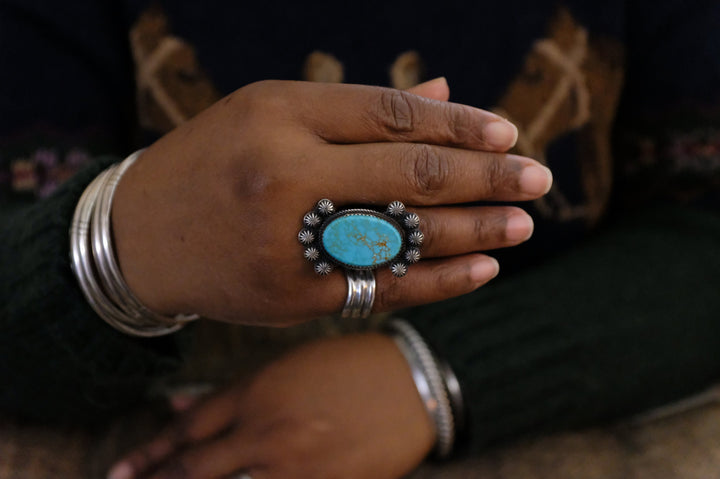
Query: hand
{"points": [[332, 408], [206, 221]]}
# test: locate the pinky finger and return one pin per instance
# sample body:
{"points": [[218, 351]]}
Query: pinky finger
{"points": [[434, 280]]}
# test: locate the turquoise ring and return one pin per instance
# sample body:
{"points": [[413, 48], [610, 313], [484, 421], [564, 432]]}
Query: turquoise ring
{"points": [[361, 238]]}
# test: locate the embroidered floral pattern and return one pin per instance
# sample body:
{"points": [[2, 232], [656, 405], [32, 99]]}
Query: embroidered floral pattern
{"points": [[696, 152], [41, 172], [680, 153]]}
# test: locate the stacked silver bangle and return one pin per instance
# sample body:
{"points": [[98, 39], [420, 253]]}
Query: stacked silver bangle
{"points": [[436, 384], [93, 262]]}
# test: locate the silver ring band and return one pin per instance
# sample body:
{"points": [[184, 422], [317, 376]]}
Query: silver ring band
{"points": [[361, 294]]}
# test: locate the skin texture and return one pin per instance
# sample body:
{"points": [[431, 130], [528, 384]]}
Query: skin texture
{"points": [[336, 408], [206, 220]]}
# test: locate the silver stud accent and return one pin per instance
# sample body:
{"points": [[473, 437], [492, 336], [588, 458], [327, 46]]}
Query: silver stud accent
{"points": [[311, 219], [416, 238], [325, 207], [396, 208], [323, 268], [412, 220], [412, 255], [306, 237], [312, 254], [399, 269]]}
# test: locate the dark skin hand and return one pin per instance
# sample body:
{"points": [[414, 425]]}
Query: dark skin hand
{"points": [[342, 407], [206, 221], [336, 408]]}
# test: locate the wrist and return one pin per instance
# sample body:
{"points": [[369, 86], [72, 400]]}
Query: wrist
{"points": [[95, 264], [435, 382], [137, 235]]}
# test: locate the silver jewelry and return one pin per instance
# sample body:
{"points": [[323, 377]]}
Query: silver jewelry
{"points": [[361, 294], [452, 385], [431, 386], [359, 239], [96, 269]]}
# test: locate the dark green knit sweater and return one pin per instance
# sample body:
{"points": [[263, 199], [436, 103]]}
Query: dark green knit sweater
{"points": [[58, 360], [627, 321]]}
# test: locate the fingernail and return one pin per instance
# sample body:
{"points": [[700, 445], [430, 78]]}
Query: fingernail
{"points": [[519, 227], [484, 269], [500, 134], [535, 180], [121, 470]]}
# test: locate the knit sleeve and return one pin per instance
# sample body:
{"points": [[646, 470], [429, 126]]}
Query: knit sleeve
{"points": [[622, 323], [58, 360], [66, 96]]}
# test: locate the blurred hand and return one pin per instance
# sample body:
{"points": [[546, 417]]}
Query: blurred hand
{"points": [[207, 219], [343, 407]]}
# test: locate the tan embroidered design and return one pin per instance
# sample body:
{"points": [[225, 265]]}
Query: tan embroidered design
{"points": [[569, 82], [323, 67], [172, 87], [406, 71]]}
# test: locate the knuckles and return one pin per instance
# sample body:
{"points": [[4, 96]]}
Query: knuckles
{"points": [[262, 99], [390, 297], [493, 177], [463, 128], [448, 283], [396, 112], [427, 170]]}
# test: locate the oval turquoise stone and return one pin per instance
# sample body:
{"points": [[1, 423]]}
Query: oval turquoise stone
{"points": [[361, 240]]}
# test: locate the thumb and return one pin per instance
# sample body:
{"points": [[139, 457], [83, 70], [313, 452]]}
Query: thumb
{"points": [[436, 89]]}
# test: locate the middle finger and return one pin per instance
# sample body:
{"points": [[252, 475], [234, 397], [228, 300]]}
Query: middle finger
{"points": [[420, 174]]}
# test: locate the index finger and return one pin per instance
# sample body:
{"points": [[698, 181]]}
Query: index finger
{"points": [[341, 113]]}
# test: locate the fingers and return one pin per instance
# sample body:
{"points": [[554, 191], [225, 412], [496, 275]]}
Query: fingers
{"points": [[428, 281], [210, 459], [213, 459], [448, 267], [420, 174], [340, 113], [455, 231], [433, 280], [436, 89], [204, 421]]}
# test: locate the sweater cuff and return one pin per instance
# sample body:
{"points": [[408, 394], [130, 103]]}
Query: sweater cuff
{"points": [[60, 361], [625, 322]]}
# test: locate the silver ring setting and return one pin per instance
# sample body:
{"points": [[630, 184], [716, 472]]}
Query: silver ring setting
{"points": [[361, 294], [361, 239]]}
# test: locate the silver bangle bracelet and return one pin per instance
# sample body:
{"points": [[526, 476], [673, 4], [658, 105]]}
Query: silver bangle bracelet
{"points": [[428, 378], [452, 385], [96, 269]]}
